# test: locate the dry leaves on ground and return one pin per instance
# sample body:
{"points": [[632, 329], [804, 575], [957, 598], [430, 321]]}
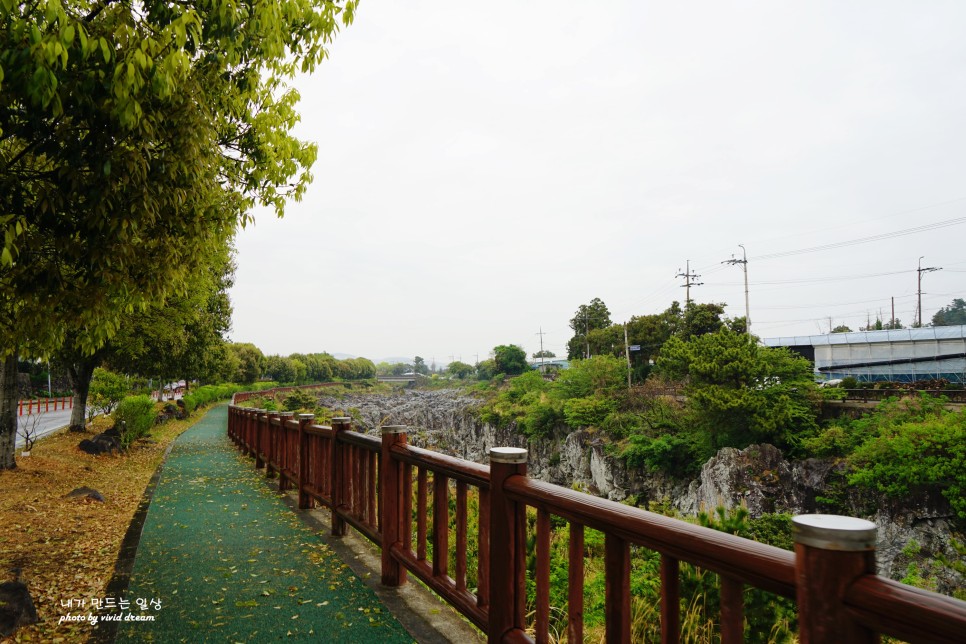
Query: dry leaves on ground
{"points": [[66, 548]]}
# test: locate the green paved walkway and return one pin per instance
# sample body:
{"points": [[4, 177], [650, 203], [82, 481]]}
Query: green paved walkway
{"points": [[230, 562]]}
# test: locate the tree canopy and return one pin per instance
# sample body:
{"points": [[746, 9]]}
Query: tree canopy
{"points": [[741, 392], [134, 137], [510, 359], [952, 314]]}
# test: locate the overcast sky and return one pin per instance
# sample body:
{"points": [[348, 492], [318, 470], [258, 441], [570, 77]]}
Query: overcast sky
{"points": [[486, 168]]}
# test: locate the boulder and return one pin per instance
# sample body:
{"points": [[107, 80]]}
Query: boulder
{"points": [[85, 493], [16, 607], [105, 443]]}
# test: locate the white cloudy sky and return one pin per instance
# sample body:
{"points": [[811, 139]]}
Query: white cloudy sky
{"points": [[486, 168]]}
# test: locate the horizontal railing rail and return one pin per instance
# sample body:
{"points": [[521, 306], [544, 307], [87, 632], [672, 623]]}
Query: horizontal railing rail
{"points": [[870, 395], [416, 505], [44, 405]]}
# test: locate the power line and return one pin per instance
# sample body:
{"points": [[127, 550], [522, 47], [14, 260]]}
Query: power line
{"points": [[864, 240]]}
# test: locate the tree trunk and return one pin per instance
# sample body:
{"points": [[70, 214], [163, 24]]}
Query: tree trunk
{"points": [[8, 412], [80, 373]]}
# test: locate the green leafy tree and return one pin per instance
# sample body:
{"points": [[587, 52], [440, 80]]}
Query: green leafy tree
{"points": [[951, 315], [107, 389], [250, 361], [486, 369], [419, 366], [700, 319], [842, 328], [133, 136], [460, 370], [544, 354], [588, 317], [510, 359], [740, 392]]}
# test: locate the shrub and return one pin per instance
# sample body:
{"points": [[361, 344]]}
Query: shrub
{"points": [[137, 414], [588, 412], [931, 453], [298, 399]]}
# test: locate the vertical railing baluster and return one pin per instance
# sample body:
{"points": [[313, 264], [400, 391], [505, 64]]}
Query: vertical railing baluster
{"points": [[543, 577], [407, 509], [617, 603], [483, 551], [339, 474], [305, 501], [374, 497], [440, 525], [460, 535], [732, 611], [421, 513], [670, 600], [575, 584]]}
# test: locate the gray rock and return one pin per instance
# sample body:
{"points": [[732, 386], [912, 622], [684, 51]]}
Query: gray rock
{"points": [[85, 493]]}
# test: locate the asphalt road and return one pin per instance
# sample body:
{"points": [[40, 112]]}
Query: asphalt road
{"points": [[42, 424]]}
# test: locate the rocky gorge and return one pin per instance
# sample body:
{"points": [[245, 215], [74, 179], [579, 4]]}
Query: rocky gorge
{"points": [[914, 535]]}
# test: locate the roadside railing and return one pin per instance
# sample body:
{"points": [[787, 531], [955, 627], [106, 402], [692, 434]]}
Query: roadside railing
{"points": [[870, 395], [368, 483], [43, 405]]}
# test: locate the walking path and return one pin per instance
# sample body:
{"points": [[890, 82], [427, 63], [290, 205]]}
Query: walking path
{"points": [[223, 559]]}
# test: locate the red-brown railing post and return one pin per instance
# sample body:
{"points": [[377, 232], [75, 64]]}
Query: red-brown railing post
{"points": [[339, 472], [508, 546], [831, 552], [391, 491], [305, 501]]}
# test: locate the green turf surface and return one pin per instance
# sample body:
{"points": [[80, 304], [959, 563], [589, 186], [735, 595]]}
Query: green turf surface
{"points": [[230, 562]]}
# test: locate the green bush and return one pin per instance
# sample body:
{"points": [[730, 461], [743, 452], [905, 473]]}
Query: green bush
{"points": [[298, 399], [588, 412], [914, 455], [137, 414]]}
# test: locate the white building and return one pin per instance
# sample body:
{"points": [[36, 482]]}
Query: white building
{"points": [[901, 355]]}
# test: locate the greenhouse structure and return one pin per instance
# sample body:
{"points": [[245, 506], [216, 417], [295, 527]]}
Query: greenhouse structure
{"points": [[900, 355]]}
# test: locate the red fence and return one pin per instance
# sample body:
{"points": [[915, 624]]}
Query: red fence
{"points": [[43, 405], [368, 483]]}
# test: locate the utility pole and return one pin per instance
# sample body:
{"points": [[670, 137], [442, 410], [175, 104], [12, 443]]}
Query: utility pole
{"points": [[690, 279], [541, 334], [627, 354], [922, 270], [744, 265]]}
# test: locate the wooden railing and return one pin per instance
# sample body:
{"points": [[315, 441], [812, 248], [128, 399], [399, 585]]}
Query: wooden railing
{"points": [[368, 483]]}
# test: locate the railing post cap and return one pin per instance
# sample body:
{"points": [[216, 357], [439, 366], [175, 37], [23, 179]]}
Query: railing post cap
{"points": [[341, 420], [834, 532], [508, 455], [286, 414], [306, 416], [394, 429]]}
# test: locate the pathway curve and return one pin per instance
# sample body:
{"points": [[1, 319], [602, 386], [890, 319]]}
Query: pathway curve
{"points": [[223, 559]]}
